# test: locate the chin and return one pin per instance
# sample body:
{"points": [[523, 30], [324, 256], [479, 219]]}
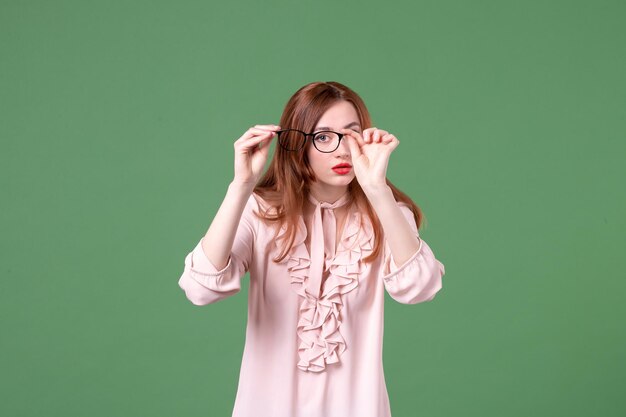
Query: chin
{"points": [[345, 180], [337, 181]]}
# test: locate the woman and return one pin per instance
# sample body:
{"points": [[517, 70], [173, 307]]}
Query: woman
{"points": [[323, 234]]}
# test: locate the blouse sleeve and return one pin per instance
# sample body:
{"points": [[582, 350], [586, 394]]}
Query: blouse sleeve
{"points": [[202, 282], [419, 278]]}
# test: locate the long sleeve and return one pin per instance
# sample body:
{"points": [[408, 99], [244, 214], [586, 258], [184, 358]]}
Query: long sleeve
{"points": [[202, 282], [419, 278]]}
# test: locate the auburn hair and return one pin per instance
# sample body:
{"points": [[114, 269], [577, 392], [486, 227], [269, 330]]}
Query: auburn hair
{"points": [[288, 178]]}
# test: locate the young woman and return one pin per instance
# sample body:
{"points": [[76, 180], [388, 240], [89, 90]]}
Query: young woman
{"points": [[323, 234]]}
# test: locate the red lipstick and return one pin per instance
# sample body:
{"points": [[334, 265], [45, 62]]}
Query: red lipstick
{"points": [[342, 169]]}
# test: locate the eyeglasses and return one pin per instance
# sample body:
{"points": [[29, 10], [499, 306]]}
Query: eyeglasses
{"points": [[325, 141]]}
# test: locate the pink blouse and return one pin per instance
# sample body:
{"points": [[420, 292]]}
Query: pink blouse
{"points": [[313, 348]]}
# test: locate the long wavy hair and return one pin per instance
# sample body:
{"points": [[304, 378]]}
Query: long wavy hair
{"points": [[289, 175]]}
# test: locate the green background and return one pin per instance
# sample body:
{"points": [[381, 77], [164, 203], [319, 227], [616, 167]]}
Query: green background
{"points": [[118, 123]]}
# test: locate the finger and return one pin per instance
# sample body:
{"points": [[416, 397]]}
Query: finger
{"points": [[264, 145], [359, 137], [265, 129], [381, 133], [367, 134], [393, 142], [356, 135], [253, 132], [388, 138], [353, 144], [250, 142], [257, 131]]}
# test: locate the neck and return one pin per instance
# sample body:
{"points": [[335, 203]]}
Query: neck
{"points": [[327, 194]]}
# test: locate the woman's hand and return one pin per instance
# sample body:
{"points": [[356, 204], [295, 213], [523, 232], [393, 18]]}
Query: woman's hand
{"points": [[370, 154], [251, 151]]}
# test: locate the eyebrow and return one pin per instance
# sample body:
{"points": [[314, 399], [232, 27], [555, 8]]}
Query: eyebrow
{"points": [[345, 127]]}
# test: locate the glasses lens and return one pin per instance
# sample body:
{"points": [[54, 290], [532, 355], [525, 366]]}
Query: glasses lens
{"points": [[292, 140], [326, 141]]}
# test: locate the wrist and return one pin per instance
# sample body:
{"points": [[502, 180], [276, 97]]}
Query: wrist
{"points": [[378, 195], [376, 189], [241, 187]]}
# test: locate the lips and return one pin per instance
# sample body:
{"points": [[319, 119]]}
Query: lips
{"points": [[342, 169]]}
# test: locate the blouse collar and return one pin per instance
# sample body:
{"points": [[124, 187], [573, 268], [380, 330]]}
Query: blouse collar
{"points": [[323, 236], [342, 201]]}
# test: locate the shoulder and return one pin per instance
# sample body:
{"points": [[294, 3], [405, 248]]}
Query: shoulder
{"points": [[358, 212], [257, 203], [258, 209], [404, 208]]}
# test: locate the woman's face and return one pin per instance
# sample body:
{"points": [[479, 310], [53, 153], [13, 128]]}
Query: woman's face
{"points": [[332, 184]]}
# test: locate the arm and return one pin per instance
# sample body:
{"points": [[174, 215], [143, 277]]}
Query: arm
{"points": [[411, 273], [403, 241], [218, 241], [214, 268]]}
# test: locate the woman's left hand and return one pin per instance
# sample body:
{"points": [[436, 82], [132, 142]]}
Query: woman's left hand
{"points": [[370, 154]]}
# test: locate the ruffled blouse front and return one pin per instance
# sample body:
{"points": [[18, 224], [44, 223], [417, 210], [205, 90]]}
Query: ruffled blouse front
{"points": [[320, 342], [319, 320]]}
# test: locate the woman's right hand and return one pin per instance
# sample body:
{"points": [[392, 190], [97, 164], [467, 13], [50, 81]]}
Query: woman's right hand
{"points": [[251, 151]]}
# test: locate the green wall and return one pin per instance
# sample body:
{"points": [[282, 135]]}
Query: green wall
{"points": [[117, 126]]}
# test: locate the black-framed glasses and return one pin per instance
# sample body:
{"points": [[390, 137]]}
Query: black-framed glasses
{"points": [[325, 141]]}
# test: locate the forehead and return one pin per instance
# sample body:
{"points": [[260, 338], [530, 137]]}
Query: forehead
{"points": [[338, 116]]}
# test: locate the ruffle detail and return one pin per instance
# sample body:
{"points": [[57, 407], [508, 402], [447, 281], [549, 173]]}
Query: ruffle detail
{"points": [[319, 321]]}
